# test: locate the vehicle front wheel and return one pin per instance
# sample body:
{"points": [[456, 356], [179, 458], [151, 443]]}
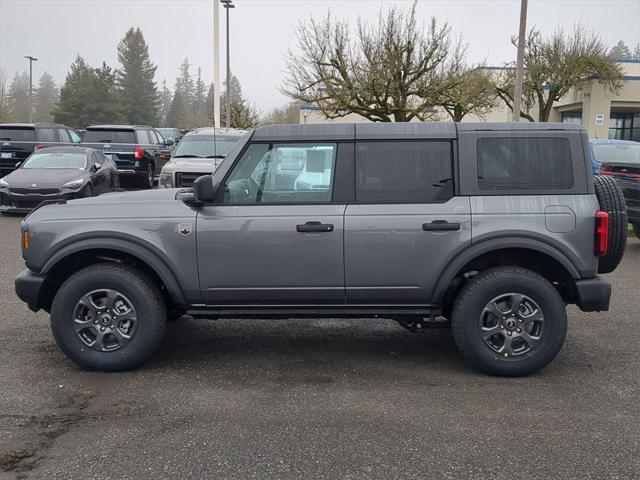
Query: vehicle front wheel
{"points": [[509, 321], [108, 317]]}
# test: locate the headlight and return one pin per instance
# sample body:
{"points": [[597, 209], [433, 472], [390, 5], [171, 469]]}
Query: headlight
{"points": [[3, 184], [75, 184], [165, 181]]}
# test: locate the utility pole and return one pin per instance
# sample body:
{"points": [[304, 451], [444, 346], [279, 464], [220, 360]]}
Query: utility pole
{"points": [[216, 64], [31, 60], [517, 91], [228, 5]]}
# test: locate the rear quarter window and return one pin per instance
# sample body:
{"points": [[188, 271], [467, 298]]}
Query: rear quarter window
{"points": [[524, 164]]}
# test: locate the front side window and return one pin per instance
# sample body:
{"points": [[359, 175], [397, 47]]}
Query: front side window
{"points": [[267, 174], [75, 138], [404, 172], [63, 135], [524, 164]]}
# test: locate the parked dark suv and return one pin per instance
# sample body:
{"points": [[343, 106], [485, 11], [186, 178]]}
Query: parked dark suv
{"points": [[139, 151], [19, 140], [491, 227]]}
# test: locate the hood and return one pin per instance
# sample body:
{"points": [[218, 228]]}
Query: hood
{"points": [[144, 204], [203, 165], [42, 177]]}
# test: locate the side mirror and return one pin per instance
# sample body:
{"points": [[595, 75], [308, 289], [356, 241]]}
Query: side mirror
{"points": [[17, 165], [96, 166], [204, 189], [168, 142]]}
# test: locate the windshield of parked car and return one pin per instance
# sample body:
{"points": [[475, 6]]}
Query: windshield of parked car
{"points": [[8, 134], [204, 146], [76, 161], [617, 152], [109, 136]]}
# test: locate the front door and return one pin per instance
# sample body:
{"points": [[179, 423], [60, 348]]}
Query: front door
{"points": [[406, 225], [277, 237]]}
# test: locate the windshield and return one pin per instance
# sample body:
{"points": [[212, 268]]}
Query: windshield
{"points": [[109, 136], [17, 134], [617, 152], [203, 146], [76, 161]]}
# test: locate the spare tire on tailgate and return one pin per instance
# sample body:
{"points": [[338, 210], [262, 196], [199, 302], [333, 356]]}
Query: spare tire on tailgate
{"points": [[612, 201]]}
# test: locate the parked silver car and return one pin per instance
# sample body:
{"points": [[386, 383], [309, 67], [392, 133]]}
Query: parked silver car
{"points": [[199, 152]]}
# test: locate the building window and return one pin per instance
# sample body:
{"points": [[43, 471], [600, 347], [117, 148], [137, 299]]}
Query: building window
{"points": [[572, 117], [625, 126]]}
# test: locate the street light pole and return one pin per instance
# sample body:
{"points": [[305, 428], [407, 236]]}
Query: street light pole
{"points": [[517, 90], [227, 5], [31, 60]]}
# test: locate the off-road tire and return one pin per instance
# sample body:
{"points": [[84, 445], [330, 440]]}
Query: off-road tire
{"points": [[487, 285], [611, 200], [138, 288]]}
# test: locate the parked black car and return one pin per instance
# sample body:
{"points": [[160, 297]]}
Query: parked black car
{"points": [[57, 173], [139, 151], [19, 140]]}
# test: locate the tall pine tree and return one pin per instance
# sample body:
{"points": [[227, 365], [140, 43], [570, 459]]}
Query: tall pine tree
{"points": [[135, 79], [19, 98], [46, 97], [165, 98]]}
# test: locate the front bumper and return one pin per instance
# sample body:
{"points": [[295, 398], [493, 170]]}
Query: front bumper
{"points": [[11, 203], [594, 295], [29, 288]]}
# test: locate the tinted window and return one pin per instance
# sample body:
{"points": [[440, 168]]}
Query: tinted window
{"points": [[17, 134], [403, 172], [524, 163], [56, 160], [262, 175], [75, 138], [63, 135], [109, 136], [143, 137], [46, 135]]}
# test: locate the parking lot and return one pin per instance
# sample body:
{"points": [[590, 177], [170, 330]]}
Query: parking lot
{"points": [[318, 399]]}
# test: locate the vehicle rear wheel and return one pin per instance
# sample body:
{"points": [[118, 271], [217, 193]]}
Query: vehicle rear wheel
{"points": [[509, 321], [88, 191], [612, 201], [636, 229], [148, 180], [108, 317]]}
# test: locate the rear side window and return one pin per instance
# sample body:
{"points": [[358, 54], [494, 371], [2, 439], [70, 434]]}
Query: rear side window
{"points": [[63, 135], [46, 135], [109, 136], [524, 164], [143, 137], [8, 134], [404, 172]]}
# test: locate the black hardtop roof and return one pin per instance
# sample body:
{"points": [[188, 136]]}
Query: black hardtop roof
{"points": [[67, 149], [31, 125], [391, 130], [116, 127]]}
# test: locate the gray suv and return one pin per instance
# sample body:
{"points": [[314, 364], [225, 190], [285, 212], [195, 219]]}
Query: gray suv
{"points": [[491, 228]]}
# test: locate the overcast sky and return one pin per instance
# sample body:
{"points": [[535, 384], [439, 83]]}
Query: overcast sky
{"points": [[56, 31]]}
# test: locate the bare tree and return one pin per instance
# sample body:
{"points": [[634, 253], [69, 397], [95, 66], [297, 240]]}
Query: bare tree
{"points": [[471, 88], [555, 65], [4, 96], [388, 73]]}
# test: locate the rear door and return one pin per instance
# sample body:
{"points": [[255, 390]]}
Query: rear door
{"points": [[406, 224], [276, 238]]}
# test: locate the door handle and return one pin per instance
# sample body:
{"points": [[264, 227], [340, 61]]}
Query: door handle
{"points": [[440, 226], [314, 227]]}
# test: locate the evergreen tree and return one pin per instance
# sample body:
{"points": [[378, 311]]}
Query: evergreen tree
{"points": [[184, 84], [89, 96], [621, 52], [46, 97], [176, 116], [243, 113], [4, 96], [19, 98], [135, 79], [165, 99], [636, 52]]}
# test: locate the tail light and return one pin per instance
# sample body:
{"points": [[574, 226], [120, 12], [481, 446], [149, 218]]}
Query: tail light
{"points": [[602, 234], [138, 153], [38, 147]]}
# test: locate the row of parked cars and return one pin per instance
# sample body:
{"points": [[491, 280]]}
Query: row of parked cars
{"points": [[50, 162]]}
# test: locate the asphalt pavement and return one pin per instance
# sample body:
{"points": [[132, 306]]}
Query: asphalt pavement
{"points": [[312, 399]]}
